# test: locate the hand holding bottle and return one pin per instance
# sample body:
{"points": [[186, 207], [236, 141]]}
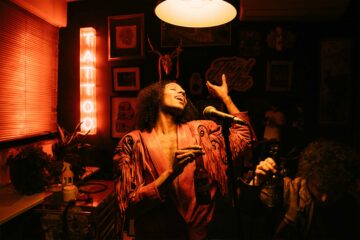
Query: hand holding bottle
{"points": [[264, 170]]}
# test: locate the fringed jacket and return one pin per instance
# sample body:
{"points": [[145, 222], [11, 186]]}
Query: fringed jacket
{"points": [[138, 161]]}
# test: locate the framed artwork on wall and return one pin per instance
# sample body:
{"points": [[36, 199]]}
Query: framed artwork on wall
{"points": [[172, 36], [249, 43], [122, 115], [279, 75], [126, 78], [125, 36], [335, 81]]}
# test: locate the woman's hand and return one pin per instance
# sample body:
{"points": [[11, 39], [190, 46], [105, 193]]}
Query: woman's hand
{"points": [[185, 156], [181, 159], [219, 91], [263, 170], [222, 92]]}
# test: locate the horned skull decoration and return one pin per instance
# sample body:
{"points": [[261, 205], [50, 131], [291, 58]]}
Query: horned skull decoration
{"points": [[165, 61]]}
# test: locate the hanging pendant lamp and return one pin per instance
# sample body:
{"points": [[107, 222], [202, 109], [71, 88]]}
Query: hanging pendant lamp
{"points": [[195, 13]]}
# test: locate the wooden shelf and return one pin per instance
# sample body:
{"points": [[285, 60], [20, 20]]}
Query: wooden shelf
{"points": [[12, 203]]}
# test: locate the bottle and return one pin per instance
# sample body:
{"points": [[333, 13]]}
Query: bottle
{"points": [[272, 192], [202, 187], [68, 175]]}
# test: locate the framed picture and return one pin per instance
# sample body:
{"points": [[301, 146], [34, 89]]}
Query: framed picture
{"points": [[249, 43], [126, 78], [279, 75], [122, 116], [172, 36], [335, 86], [126, 36]]}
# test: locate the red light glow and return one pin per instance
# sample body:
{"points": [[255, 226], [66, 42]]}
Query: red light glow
{"points": [[88, 80]]}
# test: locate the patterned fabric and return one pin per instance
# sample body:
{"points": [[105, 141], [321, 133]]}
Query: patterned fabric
{"points": [[138, 161]]}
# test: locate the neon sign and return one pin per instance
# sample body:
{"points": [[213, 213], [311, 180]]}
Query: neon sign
{"points": [[88, 80]]}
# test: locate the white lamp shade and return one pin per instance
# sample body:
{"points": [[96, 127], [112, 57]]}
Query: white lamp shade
{"points": [[195, 13]]}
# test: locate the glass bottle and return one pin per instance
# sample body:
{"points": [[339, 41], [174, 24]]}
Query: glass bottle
{"points": [[272, 192]]}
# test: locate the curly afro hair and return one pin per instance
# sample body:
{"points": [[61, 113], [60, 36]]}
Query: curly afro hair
{"points": [[149, 103], [334, 165]]}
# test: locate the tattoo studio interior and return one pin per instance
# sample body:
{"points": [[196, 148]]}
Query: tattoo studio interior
{"points": [[179, 119]]}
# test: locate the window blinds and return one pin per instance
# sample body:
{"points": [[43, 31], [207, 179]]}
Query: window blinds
{"points": [[28, 74]]}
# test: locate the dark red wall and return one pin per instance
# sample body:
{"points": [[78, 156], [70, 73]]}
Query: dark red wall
{"points": [[305, 57]]}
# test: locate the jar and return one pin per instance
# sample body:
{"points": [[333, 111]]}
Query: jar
{"points": [[70, 193]]}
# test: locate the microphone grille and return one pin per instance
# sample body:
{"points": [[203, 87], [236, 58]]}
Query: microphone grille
{"points": [[208, 110]]}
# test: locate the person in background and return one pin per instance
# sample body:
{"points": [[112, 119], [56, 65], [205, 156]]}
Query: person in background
{"points": [[172, 170], [274, 121], [285, 135], [322, 201]]}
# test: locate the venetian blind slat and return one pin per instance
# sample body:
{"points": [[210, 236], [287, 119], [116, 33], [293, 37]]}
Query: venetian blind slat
{"points": [[28, 74]]}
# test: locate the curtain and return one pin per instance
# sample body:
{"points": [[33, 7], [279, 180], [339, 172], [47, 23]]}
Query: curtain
{"points": [[28, 74]]}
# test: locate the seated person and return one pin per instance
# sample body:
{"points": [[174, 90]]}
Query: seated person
{"points": [[321, 202]]}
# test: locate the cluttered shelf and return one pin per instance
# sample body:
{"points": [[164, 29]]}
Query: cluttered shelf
{"points": [[13, 203], [92, 215]]}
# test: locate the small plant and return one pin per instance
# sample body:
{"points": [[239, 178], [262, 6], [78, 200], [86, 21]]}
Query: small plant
{"points": [[72, 148], [30, 170]]}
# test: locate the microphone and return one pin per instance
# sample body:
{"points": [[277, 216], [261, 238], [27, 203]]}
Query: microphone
{"points": [[210, 112]]}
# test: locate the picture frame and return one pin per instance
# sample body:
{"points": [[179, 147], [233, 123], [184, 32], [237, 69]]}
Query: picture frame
{"points": [[122, 115], [249, 43], [335, 86], [126, 36], [279, 75], [126, 78], [172, 36]]}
